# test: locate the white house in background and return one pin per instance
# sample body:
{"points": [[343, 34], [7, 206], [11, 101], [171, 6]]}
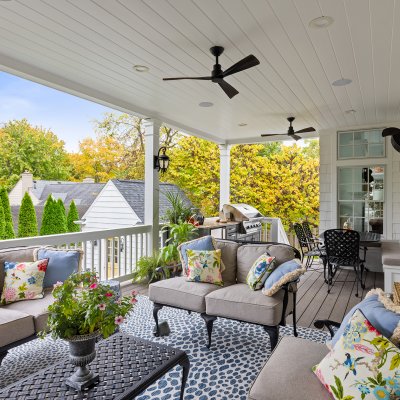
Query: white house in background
{"points": [[120, 204]]}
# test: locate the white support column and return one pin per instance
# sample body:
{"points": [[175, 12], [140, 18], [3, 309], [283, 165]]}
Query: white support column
{"points": [[225, 174], [152, 181]]}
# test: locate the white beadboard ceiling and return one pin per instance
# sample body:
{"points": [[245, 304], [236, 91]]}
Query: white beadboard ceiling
{"points": [[88, 47]]}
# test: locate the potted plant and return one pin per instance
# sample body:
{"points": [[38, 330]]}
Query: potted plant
{"points": [[147, 268], [178, 234], [85, 309], [179, 211]]}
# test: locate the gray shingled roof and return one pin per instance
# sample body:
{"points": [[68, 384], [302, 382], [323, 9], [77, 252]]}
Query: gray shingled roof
{"points": [[82, 193], [39, 185], [133, 192]]}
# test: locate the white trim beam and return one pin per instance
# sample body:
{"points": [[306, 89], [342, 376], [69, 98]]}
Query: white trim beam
{"points": [[224, 175]]}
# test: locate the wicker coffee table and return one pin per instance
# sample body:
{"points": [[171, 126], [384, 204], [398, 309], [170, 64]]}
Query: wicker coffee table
{"points": [[127, 366]]}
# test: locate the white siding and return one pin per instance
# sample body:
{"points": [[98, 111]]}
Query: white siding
{"points": [[109, 210], [328, 188], [15, 195]]}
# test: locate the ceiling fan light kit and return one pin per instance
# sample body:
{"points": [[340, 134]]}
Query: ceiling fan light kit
{"points": [[291, 132], [218, 75]]}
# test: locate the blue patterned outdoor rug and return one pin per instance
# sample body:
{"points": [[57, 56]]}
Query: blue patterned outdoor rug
{"points": [[225, 372]]}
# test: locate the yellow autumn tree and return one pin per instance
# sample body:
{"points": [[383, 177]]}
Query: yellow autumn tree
{"points": [[100, 159]]}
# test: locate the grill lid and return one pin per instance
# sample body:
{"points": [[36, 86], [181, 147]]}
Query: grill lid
{"points": [[240, 212]]}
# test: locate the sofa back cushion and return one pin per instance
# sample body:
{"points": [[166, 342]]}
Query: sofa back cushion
{"points": [[62, 263], [23, 254], [247, 254], [229, 259]]}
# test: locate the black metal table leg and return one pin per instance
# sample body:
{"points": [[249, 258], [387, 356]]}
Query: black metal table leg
{"points": [[185, 364]]}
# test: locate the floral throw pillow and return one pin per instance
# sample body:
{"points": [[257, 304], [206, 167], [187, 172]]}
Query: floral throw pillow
{"points": [[363, 364], [204, 266], [260, 271], [23, 281]]}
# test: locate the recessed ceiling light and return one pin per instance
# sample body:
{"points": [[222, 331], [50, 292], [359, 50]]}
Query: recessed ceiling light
{"points": [[141, 68], [206, 104], [351, 111], [342, 82], [242, 124], [321, 22]]}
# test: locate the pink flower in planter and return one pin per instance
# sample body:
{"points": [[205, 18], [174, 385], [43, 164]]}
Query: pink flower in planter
{"points": [[119, 320], [133, 300], [102, 307], [109, 294], [119, 302], [57, 284], [134, 293], [93, 286]]}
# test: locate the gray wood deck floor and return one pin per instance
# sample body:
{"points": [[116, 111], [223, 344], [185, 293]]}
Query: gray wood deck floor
{"points": [[313, 300]]}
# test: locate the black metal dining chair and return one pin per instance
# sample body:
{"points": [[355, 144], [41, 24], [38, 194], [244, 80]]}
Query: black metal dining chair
{"points": [[309, 249], [310, 236], [342, 248]]}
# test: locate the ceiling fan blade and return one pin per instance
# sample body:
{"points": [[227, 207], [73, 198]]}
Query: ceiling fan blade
{"points": [[295, 137], [200, 78], [245, 63], [390, 131], [227, 88], [309, 129], [272, 134]]}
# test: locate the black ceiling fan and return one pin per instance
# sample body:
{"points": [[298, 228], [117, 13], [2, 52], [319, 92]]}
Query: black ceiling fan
{"points": [[291, 132], [218, 75], [395, 134]]}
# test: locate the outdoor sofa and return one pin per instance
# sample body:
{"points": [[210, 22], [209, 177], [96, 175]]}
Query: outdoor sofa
{"points": [[235, 300], [21, 321]]}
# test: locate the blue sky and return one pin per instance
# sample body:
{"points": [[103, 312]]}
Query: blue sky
{"points": [[69, 117]]}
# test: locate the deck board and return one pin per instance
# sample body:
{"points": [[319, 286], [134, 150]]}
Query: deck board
{"points": [[313, 300]]}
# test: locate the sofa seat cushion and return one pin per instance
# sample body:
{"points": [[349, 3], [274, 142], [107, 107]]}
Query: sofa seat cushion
{"points": [[288, 375], [14, 326], [241, 303], [178, 292], [36, 308]]}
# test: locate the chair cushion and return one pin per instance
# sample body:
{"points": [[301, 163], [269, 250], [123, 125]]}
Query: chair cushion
{"points": [[178, 292], [14, 326], [62, 263], [241, 303], [287, 374], [36, 308], [23, 254], [229, 259], [391, 253], [248, 254], [383, 314]]}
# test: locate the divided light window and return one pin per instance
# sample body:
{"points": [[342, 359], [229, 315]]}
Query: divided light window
{"points": [[361, 198], [361, 144]]}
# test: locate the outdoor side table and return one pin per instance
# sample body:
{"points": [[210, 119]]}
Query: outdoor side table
{"points": [[127, 365]]}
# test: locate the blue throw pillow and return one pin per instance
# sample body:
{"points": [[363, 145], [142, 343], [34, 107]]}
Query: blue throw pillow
{"points": [[62, 263], [285, 273], [203, 243], [381, 318]]}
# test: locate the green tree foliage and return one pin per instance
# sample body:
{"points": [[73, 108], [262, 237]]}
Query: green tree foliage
{"points": [[26, 147], [27, 223], [8, 232], [62, 217], [73, 215], [47, 227], [2, 221]]}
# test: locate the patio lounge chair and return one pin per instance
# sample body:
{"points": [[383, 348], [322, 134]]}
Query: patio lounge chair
{"points": [[235, 300]]}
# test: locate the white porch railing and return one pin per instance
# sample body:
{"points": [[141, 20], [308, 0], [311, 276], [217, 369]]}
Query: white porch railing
{"points": [[274, 231], [112, 253]]}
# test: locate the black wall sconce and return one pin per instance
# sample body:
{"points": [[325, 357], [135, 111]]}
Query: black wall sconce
{"points": [[161, 160]]}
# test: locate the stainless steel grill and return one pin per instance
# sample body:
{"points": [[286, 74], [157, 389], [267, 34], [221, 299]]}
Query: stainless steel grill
{"points": [[250, 219]]}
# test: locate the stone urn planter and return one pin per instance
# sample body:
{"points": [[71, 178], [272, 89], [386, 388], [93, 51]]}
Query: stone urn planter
{"points": [[82, 351]]}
